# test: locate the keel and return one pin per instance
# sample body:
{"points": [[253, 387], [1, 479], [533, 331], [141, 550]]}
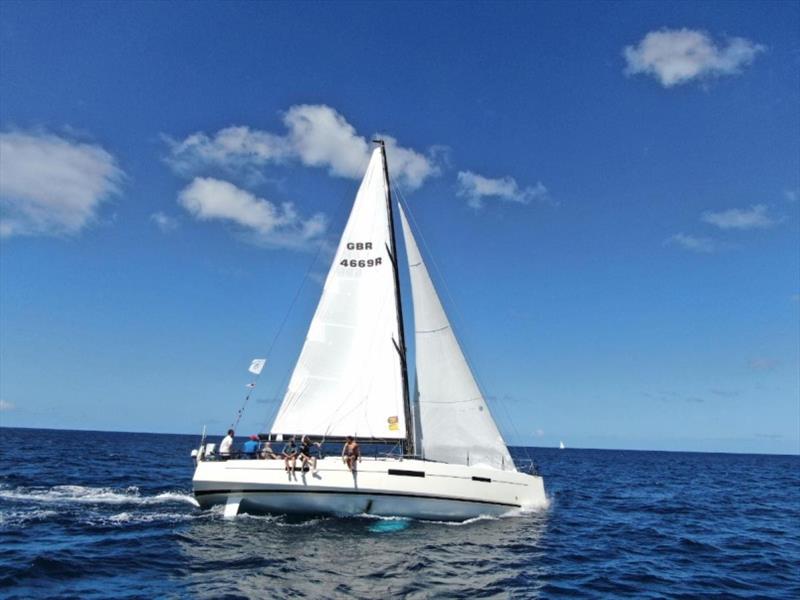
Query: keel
{"points": [[232, 506]]}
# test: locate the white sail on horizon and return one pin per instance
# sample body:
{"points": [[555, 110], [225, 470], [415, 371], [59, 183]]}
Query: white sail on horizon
{"points": [[348, 380], [454, 422]]}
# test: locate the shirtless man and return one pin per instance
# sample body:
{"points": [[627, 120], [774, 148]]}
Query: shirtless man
{"points": [[351, 453]]}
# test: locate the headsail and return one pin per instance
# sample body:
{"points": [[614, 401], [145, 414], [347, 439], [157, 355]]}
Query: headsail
{"points": [[348, 379], [454, 420]]}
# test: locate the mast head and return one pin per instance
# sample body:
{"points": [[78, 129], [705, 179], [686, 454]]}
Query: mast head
{"points": [[380, 142]]}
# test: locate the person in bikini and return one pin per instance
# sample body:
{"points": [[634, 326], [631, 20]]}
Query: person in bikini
{"points": [[351, 453]]}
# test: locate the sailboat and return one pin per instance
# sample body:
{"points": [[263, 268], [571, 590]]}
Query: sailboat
{"points": [[351, 379], [561, 446]]}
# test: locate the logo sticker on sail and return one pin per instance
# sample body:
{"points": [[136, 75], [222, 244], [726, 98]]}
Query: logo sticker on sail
{"points": [[393, 423]]}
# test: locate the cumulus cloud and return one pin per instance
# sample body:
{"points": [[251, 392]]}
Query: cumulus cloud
{"points": [[754, 217], [164, 222], [50, 185], [232, 148], [678, 56], [208, 199], [475, 188], [6, 406], [316, 136], [321, 137], [692, 243]]}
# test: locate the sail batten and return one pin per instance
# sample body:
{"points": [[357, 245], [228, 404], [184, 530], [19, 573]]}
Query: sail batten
{"points": [[454, 421]]}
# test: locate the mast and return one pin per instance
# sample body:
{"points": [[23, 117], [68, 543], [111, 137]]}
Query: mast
{"points": [[400, 344]]}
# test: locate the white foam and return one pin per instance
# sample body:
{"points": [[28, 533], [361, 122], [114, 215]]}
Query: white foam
{"points": [[19, 517], [308, 523], [93, 495], [382, 518], [128, 518], [121, 517], [215, 509]]}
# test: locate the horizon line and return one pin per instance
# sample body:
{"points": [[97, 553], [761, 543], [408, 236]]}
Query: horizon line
{"points": [[509, 445]]}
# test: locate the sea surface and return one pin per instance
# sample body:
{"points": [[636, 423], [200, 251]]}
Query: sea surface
{"points": [[111, 515]]}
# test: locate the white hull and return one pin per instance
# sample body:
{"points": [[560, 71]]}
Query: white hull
{"points": [[381, 487]]}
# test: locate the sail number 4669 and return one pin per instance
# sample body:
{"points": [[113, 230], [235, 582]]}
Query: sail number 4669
{"points": [[362, 262]]}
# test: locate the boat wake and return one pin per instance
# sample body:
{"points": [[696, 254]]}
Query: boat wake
{"points": [[19, 517], [93, 506], [68, 494]]}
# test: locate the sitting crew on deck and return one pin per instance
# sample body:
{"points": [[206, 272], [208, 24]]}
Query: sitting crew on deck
{"points": [[290, 454], [250, 447], [351, 453], [226, 445], [267, 451], [305, 453]]}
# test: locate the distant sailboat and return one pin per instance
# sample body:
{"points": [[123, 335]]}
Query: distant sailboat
{"points": [[351, 379], [561, 446]]}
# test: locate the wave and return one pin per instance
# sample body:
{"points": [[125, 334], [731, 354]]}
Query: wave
{"points": [[17, 517], [126, 518], [64, 494]]}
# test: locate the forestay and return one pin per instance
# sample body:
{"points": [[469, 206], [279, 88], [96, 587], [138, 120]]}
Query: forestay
{"points": [[455, 424], [348, 380]]}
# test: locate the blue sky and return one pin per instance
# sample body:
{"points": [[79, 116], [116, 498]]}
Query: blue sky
{"points": [[611, 192]]}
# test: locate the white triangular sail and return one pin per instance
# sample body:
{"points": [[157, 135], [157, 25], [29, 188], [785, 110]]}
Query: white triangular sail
{"points": [[454, 420], [348, 378]]}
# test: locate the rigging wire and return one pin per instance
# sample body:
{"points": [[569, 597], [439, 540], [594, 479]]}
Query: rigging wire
{"points": [[450, 297], [251, 387]]}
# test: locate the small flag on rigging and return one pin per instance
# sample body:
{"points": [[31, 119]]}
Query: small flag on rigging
{"points": [[257, 365]]}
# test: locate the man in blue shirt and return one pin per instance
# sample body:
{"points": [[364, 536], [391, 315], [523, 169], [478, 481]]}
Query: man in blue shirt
{"points": [[250, 447]]}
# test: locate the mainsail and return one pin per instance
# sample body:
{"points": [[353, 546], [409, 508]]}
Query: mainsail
{"points": [[454, 421], [348, 379]]}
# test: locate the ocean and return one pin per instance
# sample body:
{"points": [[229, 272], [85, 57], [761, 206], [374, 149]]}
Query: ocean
{"points": [[111, 515]]}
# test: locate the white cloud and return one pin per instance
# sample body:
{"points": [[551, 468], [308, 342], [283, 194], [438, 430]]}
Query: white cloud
{"points": [[678, 56], [6, 406], [692, 243], [321, 137], [316, 136], [754, 217], [164, 222], [231, 148], [476, 187], [51, 185], [791, 195], [209, 199]]}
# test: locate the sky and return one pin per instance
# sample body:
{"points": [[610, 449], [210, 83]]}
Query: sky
{"points": [[609, 192]]}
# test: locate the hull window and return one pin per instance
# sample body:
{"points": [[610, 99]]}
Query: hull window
{"points": [[406, 473]]}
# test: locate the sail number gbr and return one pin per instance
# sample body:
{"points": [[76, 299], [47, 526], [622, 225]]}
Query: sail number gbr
{"points": [[360, 262]]}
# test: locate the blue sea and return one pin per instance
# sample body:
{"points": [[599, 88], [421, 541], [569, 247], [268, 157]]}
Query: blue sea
{"points": [[110, 515]]}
